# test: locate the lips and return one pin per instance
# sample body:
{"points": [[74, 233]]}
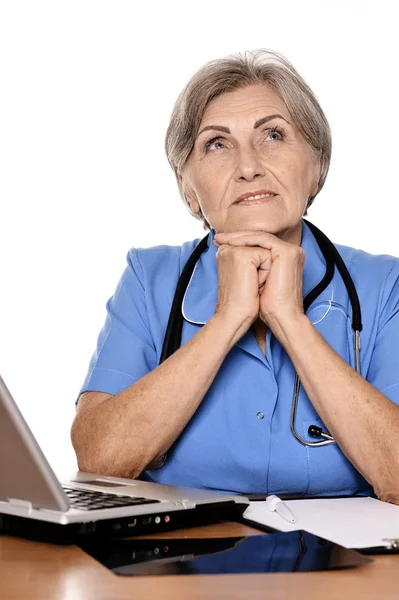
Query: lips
{"points": [[255, 193]]}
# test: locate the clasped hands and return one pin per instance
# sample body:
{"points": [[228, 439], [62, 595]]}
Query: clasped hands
{"points": [[280, 272]]}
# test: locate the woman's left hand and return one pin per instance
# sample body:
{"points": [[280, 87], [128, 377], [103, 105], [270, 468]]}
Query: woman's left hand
{"points": [[280, 287]]}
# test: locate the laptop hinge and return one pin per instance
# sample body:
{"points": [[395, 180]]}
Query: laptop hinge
{"points": [[20, 503]]}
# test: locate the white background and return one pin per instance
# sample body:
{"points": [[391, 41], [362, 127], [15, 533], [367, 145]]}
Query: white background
{"points": [[87, 88]]}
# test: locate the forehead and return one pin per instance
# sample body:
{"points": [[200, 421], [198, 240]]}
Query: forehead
{"points": [[248, 103]]}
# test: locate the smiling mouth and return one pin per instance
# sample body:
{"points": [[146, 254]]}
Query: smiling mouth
{"points": [[257, 199]]}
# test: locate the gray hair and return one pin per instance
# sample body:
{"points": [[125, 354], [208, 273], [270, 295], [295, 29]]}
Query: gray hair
{"points": [[238, 71]]}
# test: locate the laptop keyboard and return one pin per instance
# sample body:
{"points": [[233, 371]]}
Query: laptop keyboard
{"points": [[93, 500]]}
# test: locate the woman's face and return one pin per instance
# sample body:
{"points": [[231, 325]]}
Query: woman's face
{"points": [[239, 151]]}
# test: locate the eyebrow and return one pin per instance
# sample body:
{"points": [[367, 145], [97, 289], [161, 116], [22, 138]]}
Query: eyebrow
{"points": [[257, 124]]}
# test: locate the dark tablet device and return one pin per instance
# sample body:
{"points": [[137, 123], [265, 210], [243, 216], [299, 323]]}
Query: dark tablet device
{"points": [[272, 553]]}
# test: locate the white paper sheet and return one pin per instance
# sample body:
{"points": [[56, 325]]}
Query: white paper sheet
{"points": [[350, 522]]}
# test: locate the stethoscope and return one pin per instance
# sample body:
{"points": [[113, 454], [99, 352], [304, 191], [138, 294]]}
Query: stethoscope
{"points": [[332, 257]]}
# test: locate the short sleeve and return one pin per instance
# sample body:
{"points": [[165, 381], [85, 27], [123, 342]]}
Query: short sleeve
{"points": [[125, 350], [384, 366]]}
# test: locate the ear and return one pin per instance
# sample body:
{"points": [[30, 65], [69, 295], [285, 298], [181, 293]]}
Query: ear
{"points": [[189, 194], [316, 179], [314, 190]]}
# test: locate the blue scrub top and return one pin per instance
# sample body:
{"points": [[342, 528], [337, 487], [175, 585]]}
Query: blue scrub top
{"points": [[239, 439]]}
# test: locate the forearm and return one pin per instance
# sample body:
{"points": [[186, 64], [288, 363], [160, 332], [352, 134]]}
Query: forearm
{"points": [[363, 421], [125, 433]]}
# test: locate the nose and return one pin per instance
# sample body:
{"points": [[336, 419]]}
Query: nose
{"points": [[248, 166]]}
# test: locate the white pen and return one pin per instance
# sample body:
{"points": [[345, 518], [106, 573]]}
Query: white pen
{"points": [[274, 503]]}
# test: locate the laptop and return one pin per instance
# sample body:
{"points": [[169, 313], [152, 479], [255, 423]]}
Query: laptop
{"points": [[34, 504]]}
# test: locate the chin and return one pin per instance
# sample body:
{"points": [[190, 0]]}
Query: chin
{"points": [[269, 227]]}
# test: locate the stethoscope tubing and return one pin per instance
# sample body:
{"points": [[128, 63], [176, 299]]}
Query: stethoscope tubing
{"points": [[332, 258], [172, 340]]}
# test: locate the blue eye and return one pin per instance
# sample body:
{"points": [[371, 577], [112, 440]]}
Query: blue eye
{"points": [[212, 141], [278, 131], [275, 130]]}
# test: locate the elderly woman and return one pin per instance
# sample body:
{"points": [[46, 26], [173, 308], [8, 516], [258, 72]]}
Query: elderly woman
{"points": [[214, 406]]}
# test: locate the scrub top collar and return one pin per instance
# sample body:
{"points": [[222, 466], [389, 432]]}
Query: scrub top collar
{"points": [[201, 295]]}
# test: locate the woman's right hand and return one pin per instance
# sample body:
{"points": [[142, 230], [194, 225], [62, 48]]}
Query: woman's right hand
{"points": [[242, 272]]}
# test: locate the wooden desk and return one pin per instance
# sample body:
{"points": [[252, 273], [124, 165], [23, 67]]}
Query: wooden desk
{"points": [[31, 570]]}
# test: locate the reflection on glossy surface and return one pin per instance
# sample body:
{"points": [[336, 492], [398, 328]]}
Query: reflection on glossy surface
{"points": [[277, 552], [32, 570]]}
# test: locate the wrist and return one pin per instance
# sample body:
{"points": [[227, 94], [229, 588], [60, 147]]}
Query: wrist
{"points": [[231, 325], [283, 325]]}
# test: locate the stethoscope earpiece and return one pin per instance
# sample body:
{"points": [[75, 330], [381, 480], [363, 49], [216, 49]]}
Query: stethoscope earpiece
{"points": [[317, 432]]}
